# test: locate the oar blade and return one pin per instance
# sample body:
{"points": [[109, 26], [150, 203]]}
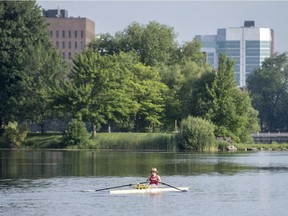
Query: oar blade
{"points": [[182, 190]]}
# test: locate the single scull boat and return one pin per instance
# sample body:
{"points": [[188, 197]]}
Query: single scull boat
{"points": [[153, 190]]}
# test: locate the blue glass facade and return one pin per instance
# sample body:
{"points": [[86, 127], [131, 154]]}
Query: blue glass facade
{"points": [[232, 49], [248, 46]]}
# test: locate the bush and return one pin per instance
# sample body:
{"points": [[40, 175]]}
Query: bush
{"points": [[14, 135], [75, 134], [196, 134]]}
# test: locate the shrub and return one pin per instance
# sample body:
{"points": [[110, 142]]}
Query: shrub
{"points": [[196, 134], [14, 135], [75, 134]]}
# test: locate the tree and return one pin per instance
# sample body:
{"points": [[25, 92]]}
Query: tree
{"points": [[105, 44], [28, 62], [14, 135], [191, 50], [218, 99], [181, 77], [154, 42], [112, 89], [149, 92], [268, 87], [88, 89]]}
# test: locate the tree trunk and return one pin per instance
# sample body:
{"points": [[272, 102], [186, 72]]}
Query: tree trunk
{"points": [[109, 128], [42, 128], [93, 131], [1, 123], [137, 123], [175, 126]]}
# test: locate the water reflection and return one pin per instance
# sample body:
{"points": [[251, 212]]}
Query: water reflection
{"points": [[50, 183], [45, 164]]}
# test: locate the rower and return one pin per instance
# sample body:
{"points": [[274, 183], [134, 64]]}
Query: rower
{"points": [[154, 178]]}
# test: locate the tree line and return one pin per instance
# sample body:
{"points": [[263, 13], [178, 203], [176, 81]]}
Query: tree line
{"points": [[139, 79]]}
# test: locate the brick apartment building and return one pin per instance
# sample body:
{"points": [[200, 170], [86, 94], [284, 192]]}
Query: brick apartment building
{"points": [[70, 35]]}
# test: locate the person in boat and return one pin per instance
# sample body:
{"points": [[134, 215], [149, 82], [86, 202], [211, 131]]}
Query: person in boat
{"points": [[154, 178]]}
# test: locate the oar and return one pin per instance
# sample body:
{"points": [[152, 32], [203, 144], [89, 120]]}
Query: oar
{"points": [[173, 187], [113, 187]]}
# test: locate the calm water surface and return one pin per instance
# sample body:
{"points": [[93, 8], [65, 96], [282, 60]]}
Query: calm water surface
{"points": [[50, 183]]}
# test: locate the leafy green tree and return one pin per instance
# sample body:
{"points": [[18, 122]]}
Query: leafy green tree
{"points": [[149, 93], [154, 42], [105, 44], [114, 89], [268, 87], [191, 50], [85, 95], [14, 135], [218, 99], [174, 79], [28, 62], [181, 77]]}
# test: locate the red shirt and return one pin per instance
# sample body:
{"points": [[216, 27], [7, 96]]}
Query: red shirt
{"points": [[154, 179]]}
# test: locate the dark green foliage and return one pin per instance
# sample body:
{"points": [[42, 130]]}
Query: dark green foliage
{"points": [[154, 42], [28, 62], [181, 77], [268, 87], [75, 134], [14, 135], [138, 80], [196, 134], [113, 89], [217, 98]]}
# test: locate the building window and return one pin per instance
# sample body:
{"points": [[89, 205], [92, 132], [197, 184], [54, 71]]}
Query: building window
{"points": [[63, 55], [69, 44], [76, 45], [69, 34], [82, 45], [51, 33], [82, 34], [57, 34], [76, 34], [70, 57], [63, 34], [63, 44], [57, 44]]}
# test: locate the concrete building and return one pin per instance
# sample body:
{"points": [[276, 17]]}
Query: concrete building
{"points": [[70, 35], [247, 45]]}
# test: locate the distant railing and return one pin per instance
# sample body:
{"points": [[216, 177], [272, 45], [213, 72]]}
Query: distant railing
{"points": [[270, 137]]}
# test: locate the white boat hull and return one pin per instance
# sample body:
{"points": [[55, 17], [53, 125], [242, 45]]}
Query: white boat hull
{"points": [[148, 190]]}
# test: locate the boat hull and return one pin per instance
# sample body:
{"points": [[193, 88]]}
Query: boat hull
{"points": [[148, 190]]}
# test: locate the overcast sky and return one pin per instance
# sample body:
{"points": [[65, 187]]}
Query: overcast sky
{"points": [[188, 18]]}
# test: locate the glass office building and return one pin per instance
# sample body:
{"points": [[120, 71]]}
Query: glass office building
{"points": [[247, 45]]}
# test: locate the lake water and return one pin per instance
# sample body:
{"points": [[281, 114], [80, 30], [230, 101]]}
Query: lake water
{"points": [[51, 183]]}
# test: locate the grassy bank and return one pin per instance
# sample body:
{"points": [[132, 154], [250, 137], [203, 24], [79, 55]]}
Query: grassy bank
{"points": [[146, 141], [42, 141], [132, 141]]}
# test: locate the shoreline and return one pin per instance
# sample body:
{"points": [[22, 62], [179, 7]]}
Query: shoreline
{"points": [[142, 142]]}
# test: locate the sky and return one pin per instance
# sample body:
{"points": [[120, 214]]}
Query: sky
{"points": [[188, 18]]}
